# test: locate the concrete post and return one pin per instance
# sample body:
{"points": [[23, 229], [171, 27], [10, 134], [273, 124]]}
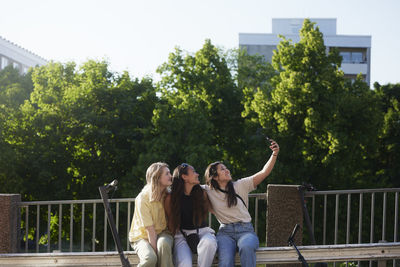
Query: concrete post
{"points": [[9, 222], [284, 211]]}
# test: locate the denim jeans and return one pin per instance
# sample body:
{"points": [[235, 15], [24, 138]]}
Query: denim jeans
{"points": [[237, 236]]}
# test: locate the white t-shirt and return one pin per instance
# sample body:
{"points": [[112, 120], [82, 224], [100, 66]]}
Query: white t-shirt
{"points": [[219, 201]]}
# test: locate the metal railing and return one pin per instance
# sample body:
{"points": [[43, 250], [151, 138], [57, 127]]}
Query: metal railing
{"points": [[338, 217], [348, 228], [52, 225], [76, 209], [376, 215]]}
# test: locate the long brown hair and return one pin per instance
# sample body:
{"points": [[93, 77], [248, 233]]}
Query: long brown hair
{"points": [[210, 174], [200, 203]]}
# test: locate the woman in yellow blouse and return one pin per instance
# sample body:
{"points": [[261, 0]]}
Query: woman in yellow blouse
{"points": [[148, 235]]}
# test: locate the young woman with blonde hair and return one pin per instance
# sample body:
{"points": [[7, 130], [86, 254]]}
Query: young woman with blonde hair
{"points": [[230, 201], [148, 235], [187, 208]]}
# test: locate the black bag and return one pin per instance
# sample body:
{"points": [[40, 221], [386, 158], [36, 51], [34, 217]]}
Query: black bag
{"points": [[192, 240]]}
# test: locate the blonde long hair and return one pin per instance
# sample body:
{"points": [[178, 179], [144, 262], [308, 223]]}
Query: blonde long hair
{"points": [[153, 175]]}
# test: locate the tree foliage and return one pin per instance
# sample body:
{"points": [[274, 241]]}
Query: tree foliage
{"points": [[326, 125], [78, 130], [198, 117], [387, 167], [65, 130]]}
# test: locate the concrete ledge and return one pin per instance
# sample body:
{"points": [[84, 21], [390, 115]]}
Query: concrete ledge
{"points": [[265, 255]]}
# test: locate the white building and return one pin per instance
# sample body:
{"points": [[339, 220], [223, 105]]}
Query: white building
{"points": [[355, 49], [20, 58]]}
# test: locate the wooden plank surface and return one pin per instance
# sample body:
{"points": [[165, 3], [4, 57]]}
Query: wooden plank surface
{"points": [[265, 255]]}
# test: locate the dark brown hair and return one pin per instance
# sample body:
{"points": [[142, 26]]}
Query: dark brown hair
{"points": [[210, 174], [200, 203]]}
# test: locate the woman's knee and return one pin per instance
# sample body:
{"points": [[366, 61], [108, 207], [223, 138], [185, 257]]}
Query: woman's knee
{"points": [[248, 241], [150, 260], [209, 242], [164, 244]]}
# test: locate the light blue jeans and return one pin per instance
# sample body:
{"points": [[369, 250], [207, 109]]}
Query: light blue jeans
{"points": [[237, 236]]}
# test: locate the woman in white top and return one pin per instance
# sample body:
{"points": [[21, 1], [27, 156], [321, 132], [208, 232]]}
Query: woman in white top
{"points": [[230, 201]]}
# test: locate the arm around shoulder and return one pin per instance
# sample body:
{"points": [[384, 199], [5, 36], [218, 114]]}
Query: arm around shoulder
{"points": [[210, 207], [167, 207]]}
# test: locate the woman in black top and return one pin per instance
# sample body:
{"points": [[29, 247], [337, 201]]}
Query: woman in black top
{"points": [[187, 207]]}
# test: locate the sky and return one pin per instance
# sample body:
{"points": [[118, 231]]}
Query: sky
{"points": [[138, 35]]}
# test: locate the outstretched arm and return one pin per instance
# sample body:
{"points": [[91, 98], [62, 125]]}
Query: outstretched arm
{"points": [[261, 175]]}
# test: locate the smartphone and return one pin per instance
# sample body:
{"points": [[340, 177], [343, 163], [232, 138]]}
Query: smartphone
{"points": [[268, 139]]}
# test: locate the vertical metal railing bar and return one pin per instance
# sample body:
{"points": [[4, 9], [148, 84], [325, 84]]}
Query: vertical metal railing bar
{"points": [[48, 226], [26, 228], [256, 215], [117, 216], [105, 231], [128, 220], [83, 227], [37, 227], [384, 217], [313, 214], [396, 217], [336, 218], [94, 228], [59, 226], [348, 218], [360, 212], [324, 226], [71, 227], [371, 238]]}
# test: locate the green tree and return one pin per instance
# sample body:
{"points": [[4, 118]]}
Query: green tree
{"points": [[198, 118], [253, 75], [326, 126], [14, 90], [79, 129], [14, 87], [388, 169]]}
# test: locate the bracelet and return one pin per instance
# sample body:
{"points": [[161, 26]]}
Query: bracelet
{"points": [[274, 155]]}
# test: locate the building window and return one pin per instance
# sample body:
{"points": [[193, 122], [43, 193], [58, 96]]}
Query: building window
{"points": [[4, 62], [346, 57], [352, 57], [357, 57], [16, 65]]}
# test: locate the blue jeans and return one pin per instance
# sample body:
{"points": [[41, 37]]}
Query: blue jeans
{"points": [[233, 236]]}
